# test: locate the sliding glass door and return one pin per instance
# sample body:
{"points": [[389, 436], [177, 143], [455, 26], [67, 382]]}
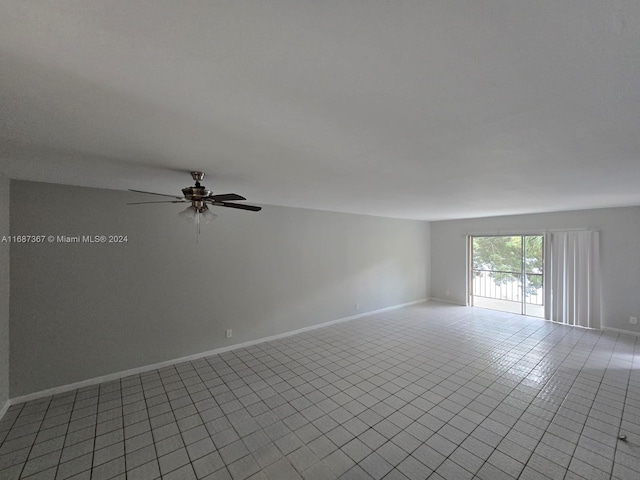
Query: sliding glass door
{"points": [[506, 272]]}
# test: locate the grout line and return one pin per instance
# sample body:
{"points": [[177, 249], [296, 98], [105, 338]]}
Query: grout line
{"points": [[24, 465], [95, 432], [155, 448], [624, 406]]}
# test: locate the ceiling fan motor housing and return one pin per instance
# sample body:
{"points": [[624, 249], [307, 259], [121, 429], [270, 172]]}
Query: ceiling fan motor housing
{"points": [[196, 195]]}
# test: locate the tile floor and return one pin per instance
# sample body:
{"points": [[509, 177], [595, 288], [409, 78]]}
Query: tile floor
{"points": [[428, 391]]}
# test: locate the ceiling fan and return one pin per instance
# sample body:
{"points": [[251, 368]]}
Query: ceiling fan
{"points": [[200, 198]]}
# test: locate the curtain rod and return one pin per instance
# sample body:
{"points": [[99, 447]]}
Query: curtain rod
{"points": [[506, 233]]}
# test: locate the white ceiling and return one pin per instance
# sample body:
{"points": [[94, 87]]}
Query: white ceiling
{"points": [[430, 109]]}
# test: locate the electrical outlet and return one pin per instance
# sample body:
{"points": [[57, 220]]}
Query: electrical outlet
{"points": [[633, 320], [357, 306], [229, 333], [447, 293]]}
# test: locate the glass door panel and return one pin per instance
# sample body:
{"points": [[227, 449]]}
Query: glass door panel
{"points": [[534, 275], [506, 273]]}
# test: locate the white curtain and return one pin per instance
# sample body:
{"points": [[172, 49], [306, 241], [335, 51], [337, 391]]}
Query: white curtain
{"points": [[574, 274]]}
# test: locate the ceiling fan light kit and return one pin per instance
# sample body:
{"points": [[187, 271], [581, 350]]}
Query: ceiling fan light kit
{"points": [[200, 198], [194, 215]]}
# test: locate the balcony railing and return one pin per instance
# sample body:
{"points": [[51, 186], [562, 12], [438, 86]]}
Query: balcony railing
{"points": [[505, 285]]}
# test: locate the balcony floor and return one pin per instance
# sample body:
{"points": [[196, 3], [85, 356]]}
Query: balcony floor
{"points": [[508, 306]]}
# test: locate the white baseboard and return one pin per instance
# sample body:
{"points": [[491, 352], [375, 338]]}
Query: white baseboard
{"points": [[443, 300], [155, 366], [4, 408], [620, 330]]}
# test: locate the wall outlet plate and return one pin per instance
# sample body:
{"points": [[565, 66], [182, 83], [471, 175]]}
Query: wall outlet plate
{"points": [[229, 333], [633, 320]]}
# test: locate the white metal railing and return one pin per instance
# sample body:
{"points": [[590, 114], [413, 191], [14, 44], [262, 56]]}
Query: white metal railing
{"points": [[504, 285]]}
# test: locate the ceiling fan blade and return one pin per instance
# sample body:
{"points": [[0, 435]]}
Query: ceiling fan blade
{"points": [[162, 201], [225, 197], [251, 208], [153, 193]]}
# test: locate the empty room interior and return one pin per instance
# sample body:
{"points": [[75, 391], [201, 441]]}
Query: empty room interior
{"points": [[281, 239]]}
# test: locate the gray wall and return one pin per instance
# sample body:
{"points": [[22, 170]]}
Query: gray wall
{"points": [[4, 291], [84, 310], [620, 254]]}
